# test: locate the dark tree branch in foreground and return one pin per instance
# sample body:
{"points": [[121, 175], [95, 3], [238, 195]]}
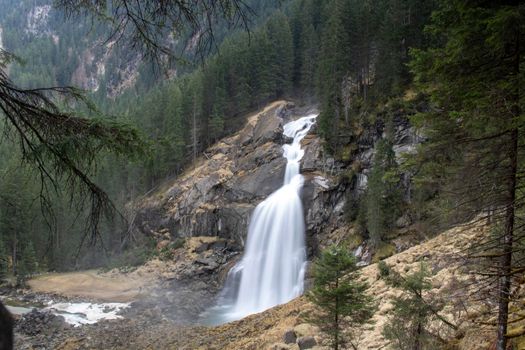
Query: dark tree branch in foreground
{"points": [[148, 25], [62, 147]]}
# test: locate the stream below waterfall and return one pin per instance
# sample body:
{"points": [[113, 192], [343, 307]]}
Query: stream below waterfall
{"points": [[272, 269], [74, 313]]}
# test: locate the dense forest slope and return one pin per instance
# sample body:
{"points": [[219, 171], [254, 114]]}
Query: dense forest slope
{"points": [[411, 140], [217, 194], [288, 53]]}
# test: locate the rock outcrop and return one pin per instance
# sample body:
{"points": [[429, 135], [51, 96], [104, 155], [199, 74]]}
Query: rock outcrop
{"points": [[216, 196]]}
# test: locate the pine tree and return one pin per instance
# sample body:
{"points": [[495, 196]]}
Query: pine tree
{"points": [[15, 211], [334, 65], [383, 198], [216, 125], [408, 324], [281, 57], [309, 60], [28, 261], [473, 73], [340, 297], [4, 259]]}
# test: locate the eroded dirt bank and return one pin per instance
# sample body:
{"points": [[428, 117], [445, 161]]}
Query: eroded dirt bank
{"points": [[92, 285]]}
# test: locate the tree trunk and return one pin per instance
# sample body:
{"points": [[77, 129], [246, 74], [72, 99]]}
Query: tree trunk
{"points": [[506, 259], [14, 254], [417, 340], [194, 129], [336, 340]]}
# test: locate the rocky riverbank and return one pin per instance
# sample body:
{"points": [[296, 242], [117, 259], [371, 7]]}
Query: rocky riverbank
{"points": [[152, 323], [173, 290]]}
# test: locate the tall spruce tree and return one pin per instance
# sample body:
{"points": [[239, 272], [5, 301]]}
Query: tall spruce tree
{"points": [[281, 57], [334, 64], [408, 325], [473, 73], [4, 260], [383, 197], [339, 295]]}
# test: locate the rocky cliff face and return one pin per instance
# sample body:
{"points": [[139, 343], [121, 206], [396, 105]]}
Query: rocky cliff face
{"points": [[216, 196]]}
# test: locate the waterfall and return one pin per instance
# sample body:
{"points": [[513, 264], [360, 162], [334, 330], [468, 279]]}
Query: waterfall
{"points": [[271, 272]]}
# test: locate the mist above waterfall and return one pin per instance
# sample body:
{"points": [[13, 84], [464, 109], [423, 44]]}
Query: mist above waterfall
{"points": [[272, 269]]}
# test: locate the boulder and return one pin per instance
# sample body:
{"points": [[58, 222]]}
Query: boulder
{"points": [[268, 128], [306, 342], [209, 263], [40, 322], [263, 180], [403, 221], [219, 245], [201, 248], [305, 329], [289, 337]]}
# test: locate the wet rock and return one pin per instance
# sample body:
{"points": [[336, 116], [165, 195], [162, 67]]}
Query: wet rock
{"points": [[313, 153], [201, 248], [263, 180], [267, 129], [219, 245], [209, 263], [289, 337], [306, 342], [40, 322]]}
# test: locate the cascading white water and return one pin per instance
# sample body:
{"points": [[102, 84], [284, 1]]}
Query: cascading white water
{"points": [[271, 271]]}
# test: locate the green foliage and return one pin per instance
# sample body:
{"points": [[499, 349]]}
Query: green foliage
{"points": [[476, 131], [339, 295], [363, 59], [384, 269], [132, 257], [382, 198], [4, 259], [408, 324], [216, 125], [28, 261]]}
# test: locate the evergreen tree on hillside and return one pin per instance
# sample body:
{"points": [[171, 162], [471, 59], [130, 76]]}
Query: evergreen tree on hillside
{"points": [[400, 29], [334, 65], [216, 125], [408, 325], [28, 260], [281, 55], [340, 297], [4, 259], [310, 46], [383, 197], [473, 73]]}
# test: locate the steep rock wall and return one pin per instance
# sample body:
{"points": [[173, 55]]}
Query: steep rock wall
{"points": [[216, 196]]}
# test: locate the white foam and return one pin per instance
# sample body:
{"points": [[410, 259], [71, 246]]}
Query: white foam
{"points": [[87, 313]]}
